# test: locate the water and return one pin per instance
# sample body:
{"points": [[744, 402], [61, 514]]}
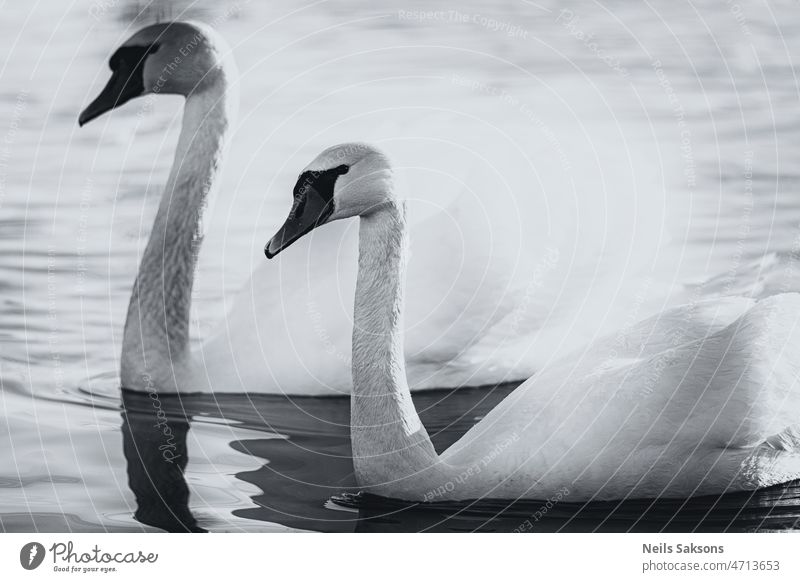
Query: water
{"points": [[685, 126]]}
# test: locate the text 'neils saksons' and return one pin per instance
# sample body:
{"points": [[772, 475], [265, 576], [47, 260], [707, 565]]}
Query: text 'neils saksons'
{"points": [[664, 548]]}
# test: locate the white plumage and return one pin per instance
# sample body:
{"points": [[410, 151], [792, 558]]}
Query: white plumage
{"points": [[490, 291], [700, 399]]}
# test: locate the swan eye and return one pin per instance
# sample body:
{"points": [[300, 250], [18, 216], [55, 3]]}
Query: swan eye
{"points": [[133, 56], [320, 181]]}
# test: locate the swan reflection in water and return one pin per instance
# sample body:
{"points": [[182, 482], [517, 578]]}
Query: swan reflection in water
{"points": [[154, 444], [306, 475]]}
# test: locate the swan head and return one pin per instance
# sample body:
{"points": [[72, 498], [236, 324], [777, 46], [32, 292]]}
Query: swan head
{"points": [[346, 180], [177, 58]]}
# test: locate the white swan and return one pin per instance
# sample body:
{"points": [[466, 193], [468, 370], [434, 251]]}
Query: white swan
{"points": [[186, 59], [701, 399], [259, 352]]}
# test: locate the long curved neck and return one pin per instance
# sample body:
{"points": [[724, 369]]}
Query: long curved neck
{"points": [[156, 337], [388, 439]]}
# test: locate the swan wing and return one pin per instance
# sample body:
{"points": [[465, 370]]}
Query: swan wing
{"points": [[715, 412]]}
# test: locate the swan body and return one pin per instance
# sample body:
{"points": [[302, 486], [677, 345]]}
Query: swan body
{"points": [[708, 405], [298, 340], [302, 344], [700, 399]]}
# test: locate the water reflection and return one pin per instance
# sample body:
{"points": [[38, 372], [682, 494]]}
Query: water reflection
{"points": [[305, 452], [765, 510], [154, 443], [306, 478]]}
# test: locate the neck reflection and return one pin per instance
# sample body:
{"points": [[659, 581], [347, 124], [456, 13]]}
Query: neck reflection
{"points": [[154, 431]]}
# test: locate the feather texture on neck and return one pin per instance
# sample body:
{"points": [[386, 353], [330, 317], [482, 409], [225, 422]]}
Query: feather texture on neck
{"points": [[389, 441], [156, 349]]}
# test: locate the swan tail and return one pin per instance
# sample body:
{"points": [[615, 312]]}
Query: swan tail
{"points": [[757, 380]]}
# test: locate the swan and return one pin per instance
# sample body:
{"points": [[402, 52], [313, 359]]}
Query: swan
{"points": [[259, 351], [700, 399], [186, 59]]}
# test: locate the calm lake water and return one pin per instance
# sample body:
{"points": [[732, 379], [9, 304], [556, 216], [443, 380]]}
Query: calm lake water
{"points": [[678, 117]]}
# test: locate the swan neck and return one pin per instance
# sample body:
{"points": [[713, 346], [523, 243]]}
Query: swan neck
{"points": [[157, 326], [388, 439]]}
